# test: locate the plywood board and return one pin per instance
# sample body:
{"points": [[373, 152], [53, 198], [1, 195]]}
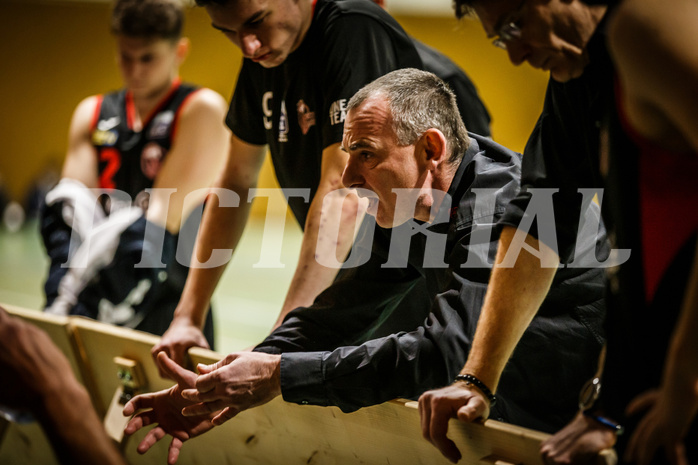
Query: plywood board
{"points": [[283, 433]]}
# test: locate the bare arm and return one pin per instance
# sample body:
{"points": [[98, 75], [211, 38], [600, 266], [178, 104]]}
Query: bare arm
{"points": [[658, 67], [38, 377], [81, 159], [672, 409], [311, 277], [194, 160], [221, 228], [512, 300]]}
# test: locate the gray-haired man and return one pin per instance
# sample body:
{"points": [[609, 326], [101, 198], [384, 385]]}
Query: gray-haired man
{"points": [[440, 190]]}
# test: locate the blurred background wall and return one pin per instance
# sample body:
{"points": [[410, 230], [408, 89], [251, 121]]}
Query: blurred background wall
{"points": [[54, 53]]}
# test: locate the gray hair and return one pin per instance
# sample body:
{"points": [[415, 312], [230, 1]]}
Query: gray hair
{"points": [[418, 101]]}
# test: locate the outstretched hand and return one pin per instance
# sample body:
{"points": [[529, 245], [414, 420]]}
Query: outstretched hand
{"points": [[236, 383], [438, 406], [165, 409]]}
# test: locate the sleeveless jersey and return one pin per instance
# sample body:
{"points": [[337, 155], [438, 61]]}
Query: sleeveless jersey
{"points": [[130, 160]]}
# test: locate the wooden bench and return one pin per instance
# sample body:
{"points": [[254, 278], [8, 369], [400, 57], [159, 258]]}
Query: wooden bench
{"points": [[110, 360]]}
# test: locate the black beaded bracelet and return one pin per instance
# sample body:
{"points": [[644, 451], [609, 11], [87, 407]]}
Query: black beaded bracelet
{"points": [[470, 379]]}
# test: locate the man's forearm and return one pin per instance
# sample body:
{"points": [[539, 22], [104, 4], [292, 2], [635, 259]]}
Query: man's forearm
{"points": [[513, 298], [311, 277], [72, 426], [221, 228]]}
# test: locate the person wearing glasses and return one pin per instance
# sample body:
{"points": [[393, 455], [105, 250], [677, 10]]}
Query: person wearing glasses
{"points": [[566, 39]]}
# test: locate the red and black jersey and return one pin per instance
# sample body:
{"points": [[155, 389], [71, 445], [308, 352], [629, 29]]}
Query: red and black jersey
{"points": [[651, 202], [130, 160]]}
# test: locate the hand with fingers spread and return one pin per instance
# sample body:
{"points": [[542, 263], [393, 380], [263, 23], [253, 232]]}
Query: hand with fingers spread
{"points": [[438, 406], [175, 342], [240, 381], [579, 442], [165, 409], [663, 427]]}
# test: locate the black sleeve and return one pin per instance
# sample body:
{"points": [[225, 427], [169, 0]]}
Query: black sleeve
{"points": [[398, 365], [245, 115], [358, 49], [349, 311], [562, 153]]}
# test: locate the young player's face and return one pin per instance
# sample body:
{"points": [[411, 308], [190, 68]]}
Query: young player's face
{"points": [[266, 31], [377, 163], [551, 35], [147, 66]]}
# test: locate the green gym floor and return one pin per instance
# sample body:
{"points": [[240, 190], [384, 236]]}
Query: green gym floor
{"points": [[246, 302]]}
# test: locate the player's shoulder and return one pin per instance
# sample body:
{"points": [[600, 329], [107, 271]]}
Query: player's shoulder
{"points": [[204, 99], [339, 11], [85, 112], [89, 103]]}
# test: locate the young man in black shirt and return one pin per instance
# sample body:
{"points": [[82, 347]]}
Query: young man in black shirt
{"points": [[303, 62]]}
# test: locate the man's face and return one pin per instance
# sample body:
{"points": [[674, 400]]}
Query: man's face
{"points": [[377, 163], [553, 33], [266, 31], [147, 65]]}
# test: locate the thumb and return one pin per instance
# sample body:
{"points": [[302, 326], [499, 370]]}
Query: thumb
{"points": [[473, 410], [205, 369], [206, 380], [227, 360]]}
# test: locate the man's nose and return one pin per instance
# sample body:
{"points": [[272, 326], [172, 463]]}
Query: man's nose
{"points": [[249, 43], [350, 176], [517, 51]]}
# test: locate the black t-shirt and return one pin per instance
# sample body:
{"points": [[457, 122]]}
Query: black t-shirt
{"points": [[563, 150], [298, 108]]}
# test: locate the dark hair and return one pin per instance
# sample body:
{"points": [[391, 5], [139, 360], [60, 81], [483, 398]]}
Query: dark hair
{"points": [[418, 100], [212, 2], [463, 8], [148, 19]]}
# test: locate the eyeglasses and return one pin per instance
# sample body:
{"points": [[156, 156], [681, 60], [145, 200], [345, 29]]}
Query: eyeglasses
{"points": [[511, 29]]}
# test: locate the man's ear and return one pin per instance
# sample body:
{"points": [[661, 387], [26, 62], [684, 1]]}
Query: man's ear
{"points": [[434, 146], [183, 45]]}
